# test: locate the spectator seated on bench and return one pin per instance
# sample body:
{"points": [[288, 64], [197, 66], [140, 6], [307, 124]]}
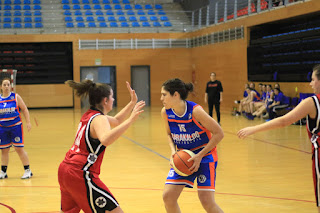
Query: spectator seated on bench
{"points": [[280, 102]]}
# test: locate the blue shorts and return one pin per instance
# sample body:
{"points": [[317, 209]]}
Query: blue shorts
{"points": [[206, 177], [11, 136]]}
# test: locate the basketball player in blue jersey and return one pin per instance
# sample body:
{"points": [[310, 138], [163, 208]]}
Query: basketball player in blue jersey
{"points": [[11, 132], [190, 127], [310, 108]]}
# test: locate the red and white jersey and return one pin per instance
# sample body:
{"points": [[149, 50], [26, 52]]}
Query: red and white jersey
{"points": [[313, 125], [86, 152]]}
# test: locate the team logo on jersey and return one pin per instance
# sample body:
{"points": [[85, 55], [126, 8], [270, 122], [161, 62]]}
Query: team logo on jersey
{"points": [[92, 158], [171, 116], [202, 178], [190, 116], [12, 97], [17, 139], [101, 202]]}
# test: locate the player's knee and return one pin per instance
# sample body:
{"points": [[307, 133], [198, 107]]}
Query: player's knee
{"points": [[168, 198], [207, 201]]}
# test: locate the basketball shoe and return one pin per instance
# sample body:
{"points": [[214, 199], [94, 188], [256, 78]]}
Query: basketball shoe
{"points": [[3, 175], [27, 174]]}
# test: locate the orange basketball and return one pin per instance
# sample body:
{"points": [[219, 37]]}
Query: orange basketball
{"points": [[180, 162]]}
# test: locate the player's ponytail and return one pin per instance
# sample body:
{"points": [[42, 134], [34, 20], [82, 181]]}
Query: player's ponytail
{"points": [[96, 92], [316, 70]]}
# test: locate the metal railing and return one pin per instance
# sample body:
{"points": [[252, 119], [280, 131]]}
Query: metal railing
{"points": [[216, 37]]}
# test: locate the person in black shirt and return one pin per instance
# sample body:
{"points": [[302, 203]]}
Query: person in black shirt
{"points": [[213, 95]]}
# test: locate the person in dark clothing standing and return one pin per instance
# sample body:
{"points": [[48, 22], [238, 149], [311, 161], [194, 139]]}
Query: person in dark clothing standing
{"points": [[213, 95]]}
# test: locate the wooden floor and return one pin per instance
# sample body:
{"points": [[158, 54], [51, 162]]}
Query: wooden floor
{"points": [[268, 172]]}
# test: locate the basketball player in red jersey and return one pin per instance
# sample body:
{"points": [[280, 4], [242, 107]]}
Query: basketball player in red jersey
{"points": [[310, 108], [78, 175]]}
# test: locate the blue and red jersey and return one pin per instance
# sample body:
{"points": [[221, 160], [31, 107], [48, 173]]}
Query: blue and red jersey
{"points": [[9, 111], [189, 134]]}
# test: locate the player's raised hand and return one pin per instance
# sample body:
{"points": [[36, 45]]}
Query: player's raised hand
{"points": [[133, 94], [137, 110]]}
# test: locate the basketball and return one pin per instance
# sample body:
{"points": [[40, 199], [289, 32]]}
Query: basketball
{"points": [[180, 162]]}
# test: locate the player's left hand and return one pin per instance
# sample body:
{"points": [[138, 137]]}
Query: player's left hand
{"points": [[196, 162], [29, 126], [245, 132], [134, 97]]}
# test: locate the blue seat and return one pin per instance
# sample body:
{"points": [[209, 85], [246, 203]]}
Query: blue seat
{"points": [[87, 7], [101, 19], [148, 7], [125, 2], [7, 25], [17, 13], [37, 7], [113, 24], [141, 12], [27, 19], [120, 13], [65, 2], [65, 7], [92, 24], [115, 1], [27, 25], [124, 24], [107, 7], [68, 19], [161, 12], [153, 18], [79, 19], [122, 18], [36, 2], [17, 25], [97, 7], [37, 19], [76, 7], [17, 2], [146, 24], [17, 7], [167, 24], [88, 13], [117, 7], [143, 18], [164, 18], [7, 13], [156, 24], [151, 12], [81, 24], [17, 20], [69, 25], [37, 13], [135, 24], [85, 2], [138, 7], [95, 2], [67, 13], [7, 7], [132, 18], [158, 6], [109, 13], [38, 25], [27, 13], [90, 19], [7, 2], [111, 18], [99, 13], [127, 7], [103, 24], [75, 2], [78, 13], [130, 13], [26, 2], [6, 19], [105, 2]]}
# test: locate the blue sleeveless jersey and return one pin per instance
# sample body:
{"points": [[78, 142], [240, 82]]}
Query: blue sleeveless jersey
{"points": [[9, 112], [187, 133]]}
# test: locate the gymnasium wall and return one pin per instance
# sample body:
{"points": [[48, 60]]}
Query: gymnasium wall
{"points": [[227, 59]]}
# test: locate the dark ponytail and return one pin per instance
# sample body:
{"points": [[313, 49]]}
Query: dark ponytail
{"points": [[177, 85], [96, 92]]}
